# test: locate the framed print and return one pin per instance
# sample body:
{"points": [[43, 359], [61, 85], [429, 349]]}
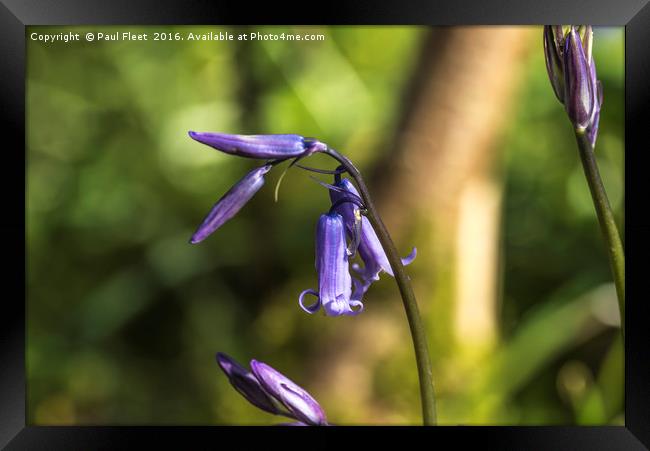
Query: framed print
{"points": [[373, 219]]}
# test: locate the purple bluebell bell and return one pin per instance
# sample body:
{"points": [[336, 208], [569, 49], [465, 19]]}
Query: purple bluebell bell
{"points": [[370, 249], [231, 202], [261, 146], [334, 280], [271, 391], [572, 72]]}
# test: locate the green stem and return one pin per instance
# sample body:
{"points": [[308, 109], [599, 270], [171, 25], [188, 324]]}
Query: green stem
{"points": [[418, 335], [606, 220]]}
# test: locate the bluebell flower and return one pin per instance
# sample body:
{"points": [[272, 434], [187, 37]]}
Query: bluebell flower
{"points": [[572, 72], [261, 146], [369, 248], [334, 280], [231, 202], [271, 391]]}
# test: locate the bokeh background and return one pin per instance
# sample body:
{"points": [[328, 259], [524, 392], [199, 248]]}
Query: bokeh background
{"points": [[470, 157]]}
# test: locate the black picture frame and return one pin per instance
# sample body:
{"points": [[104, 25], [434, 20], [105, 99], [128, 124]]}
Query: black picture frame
{"points": [[15, 15]]}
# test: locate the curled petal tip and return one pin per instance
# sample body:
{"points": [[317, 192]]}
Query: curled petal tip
{"points": [[356, 306], [311, 309], [410, 257]]}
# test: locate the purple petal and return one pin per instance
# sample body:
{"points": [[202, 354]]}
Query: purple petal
{"points": [[360, 287], [347, 209], [297, 400], [410, 257], [302, 405], [311, 309], [558, 34], [592, 129], [260, 146], [334, 280], [596, 97], [370, 249], [356, 306], [579, 93], [553, 59], [231, 202], [246, 383], [587, 41]]}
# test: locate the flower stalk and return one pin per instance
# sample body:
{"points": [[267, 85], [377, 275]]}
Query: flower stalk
{"points": [[606, 219], [572, 72], [423, 360]]}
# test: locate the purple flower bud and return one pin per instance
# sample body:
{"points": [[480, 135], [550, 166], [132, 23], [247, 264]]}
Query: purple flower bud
{"points": [[572, 71], [580, 94], [370, 249], [260, 146], [334, 280], [300, 403], [246, 384], [231, 202], [553, 57]]}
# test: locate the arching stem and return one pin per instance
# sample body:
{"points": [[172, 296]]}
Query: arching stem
{"points": [[418, 335]]}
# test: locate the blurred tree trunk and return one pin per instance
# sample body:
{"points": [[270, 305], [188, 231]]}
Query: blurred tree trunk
{"points": [[438, 188]]}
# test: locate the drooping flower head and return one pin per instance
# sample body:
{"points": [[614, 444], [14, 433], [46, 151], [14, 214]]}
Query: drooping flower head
{"points": [[370, 250], [261, 146], [271, 391], [334, 280], [572, 72], [338, 292]]}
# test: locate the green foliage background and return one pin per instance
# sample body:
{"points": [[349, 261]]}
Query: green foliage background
{"points": [[124, 316]]}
